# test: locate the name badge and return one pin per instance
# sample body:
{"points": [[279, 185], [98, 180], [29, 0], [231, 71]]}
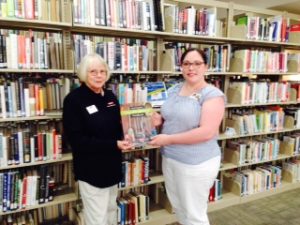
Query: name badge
{"points": [[91, 109], [195, 96]]}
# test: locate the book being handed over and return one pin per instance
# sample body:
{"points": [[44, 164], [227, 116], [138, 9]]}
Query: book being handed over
{"points": [[137, 125]]}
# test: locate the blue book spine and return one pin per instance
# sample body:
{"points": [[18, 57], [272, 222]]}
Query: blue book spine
{"points": [[9, 95], [1, 191], [5, 181], [8, 192], [123, 219]]}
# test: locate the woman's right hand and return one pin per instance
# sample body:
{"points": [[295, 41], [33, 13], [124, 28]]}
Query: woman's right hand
{"points": [[156, 119]]}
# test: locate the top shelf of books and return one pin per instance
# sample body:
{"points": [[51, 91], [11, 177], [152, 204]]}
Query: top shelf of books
{"points": [[206, 21], [31, 12]]}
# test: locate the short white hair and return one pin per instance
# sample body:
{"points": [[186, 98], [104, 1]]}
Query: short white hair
{"points": [[85, 63]]}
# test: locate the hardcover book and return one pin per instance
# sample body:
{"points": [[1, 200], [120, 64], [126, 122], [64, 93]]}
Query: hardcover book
{"points": [[137, 125]]}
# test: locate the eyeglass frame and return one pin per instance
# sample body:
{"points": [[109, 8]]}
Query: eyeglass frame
{"points": [[196, 64], [95, 73]]}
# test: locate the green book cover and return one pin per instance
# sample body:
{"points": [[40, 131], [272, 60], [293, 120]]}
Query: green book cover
{"points": [[242, 20]]}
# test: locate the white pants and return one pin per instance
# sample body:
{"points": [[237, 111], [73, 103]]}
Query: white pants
{"points": [[99, 204], [188, 188]]}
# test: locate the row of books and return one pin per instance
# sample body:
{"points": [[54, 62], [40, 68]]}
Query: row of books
{"points": [[189, 20], [140, 56], [259, 60], [32, 9], [274, 28], [21, 49], [215, 192], [20, 189], [250, 121], [25, 147], [244, 151], [133, 14], [120, 54], [152, 92], [261, 179], [25, 97], [133, 208], [56, 214], [218, 56], [260, 91], [135, 172]]}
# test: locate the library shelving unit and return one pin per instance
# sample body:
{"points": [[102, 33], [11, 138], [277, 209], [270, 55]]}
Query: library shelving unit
{"points": [[35, 173], [230, 34], [225, 31]]}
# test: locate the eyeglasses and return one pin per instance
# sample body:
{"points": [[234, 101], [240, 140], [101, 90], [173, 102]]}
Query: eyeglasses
{"points": [[195, 64], [94, 73]]}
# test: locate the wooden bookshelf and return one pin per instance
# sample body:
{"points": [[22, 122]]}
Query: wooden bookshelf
{"points": [[37, 24], [68, 27], [161, 216], [36, 29], [55, 116], [224, 136], [228, 199], [156, 179], [227, 166], [285, 186], [141, 72], [71, 197], [231, 105], [43, 71], [65, 157]]}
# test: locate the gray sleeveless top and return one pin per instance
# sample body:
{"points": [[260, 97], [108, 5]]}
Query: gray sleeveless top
{"points": [[183, 113]]}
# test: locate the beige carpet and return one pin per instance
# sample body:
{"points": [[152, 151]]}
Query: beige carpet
{"points": [[280, 209]]}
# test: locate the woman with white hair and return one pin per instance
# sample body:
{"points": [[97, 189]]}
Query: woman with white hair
{"points": [[92, 125]]}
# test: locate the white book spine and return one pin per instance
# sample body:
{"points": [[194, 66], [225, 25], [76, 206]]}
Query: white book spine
{"points": [[1, 152], [26, 101], [3, 102], [14, 50], [32, 146], [20, 146]]}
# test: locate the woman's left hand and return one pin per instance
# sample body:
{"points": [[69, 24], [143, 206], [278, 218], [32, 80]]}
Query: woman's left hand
{"points": [[124, 145], [161, 140]]}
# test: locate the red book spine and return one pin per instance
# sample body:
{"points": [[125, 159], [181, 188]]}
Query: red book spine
{"points": [[295, 28], [24, 192]]}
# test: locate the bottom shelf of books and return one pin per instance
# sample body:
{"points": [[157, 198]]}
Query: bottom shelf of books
{"points": [[55, 214], [36, 187]]}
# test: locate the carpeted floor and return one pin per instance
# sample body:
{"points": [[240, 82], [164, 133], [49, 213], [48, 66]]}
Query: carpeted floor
{"points": [[280, 209]]}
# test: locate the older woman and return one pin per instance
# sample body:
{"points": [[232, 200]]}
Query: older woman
{"points": [[92, 125]]}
